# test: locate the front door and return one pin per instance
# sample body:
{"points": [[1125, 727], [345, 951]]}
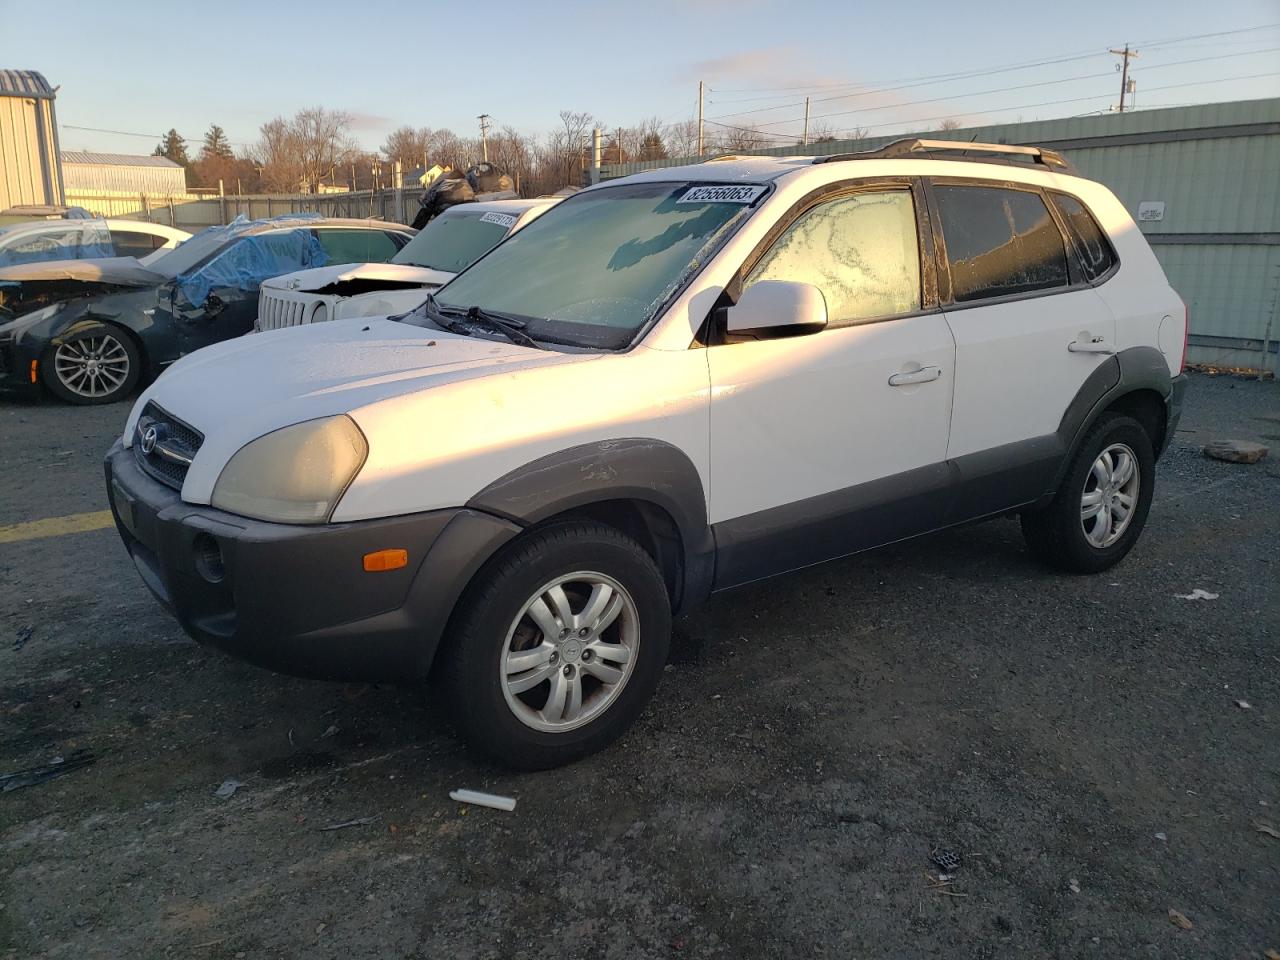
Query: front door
{"points": [[829, 443]]}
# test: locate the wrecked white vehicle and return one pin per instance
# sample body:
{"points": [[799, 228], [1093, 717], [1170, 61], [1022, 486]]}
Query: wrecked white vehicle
{"points": [[448, 245]]}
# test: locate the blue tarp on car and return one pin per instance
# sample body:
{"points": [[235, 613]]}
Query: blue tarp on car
{"points": [[252, 259]]}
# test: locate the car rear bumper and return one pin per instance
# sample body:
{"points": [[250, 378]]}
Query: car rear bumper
{"points": [[296, 598]]}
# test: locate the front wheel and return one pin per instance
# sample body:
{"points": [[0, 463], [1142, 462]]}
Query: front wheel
{"points": [[558, 645], [1101, 507], [96, 364]]}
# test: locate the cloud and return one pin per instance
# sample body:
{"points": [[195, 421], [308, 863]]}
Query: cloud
{"points": [[367, 121]]}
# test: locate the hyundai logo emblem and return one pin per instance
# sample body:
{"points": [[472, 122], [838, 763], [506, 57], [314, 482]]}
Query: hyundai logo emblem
{"points": [[150, 437]]}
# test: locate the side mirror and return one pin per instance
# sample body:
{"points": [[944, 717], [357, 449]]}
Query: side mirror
{"points": [[213, 305], [778, 308]]}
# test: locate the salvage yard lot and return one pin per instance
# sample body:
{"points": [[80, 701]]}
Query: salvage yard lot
{"points": [[812, 741]]}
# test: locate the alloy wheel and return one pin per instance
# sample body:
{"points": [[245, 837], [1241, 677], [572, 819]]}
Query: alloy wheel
{"points": [[570, 651], [92, 367], [1110, 495]]}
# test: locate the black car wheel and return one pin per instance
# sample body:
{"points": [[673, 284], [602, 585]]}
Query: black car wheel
{"points": [[1101, 507], [96, 364], [558, 645]]}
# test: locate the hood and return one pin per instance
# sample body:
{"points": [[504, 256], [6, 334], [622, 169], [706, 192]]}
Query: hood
{"points": [[122, 270], [318, 278], [236, 391]]}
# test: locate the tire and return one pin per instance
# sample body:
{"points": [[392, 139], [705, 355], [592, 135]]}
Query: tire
{"points": [[1062, 534], [98, 363], [525, 728]]}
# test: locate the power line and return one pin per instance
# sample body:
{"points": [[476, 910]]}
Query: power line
{"points": [[978, 93], [908, 82], [782, 138], [128, 133]]}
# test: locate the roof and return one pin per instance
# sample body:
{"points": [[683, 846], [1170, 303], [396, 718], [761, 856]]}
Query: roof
{"points": [[728, 170], [286, 222], [25, 83], [116, 159]]}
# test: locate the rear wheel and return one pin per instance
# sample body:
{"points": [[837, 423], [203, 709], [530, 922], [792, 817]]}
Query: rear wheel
{"points": [[96, 364], [1101, 507], [558, 645]]}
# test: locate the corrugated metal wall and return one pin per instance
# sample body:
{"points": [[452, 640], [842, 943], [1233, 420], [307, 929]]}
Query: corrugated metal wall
{"points": [[23, 177], [111, 178], [1216, 168]]}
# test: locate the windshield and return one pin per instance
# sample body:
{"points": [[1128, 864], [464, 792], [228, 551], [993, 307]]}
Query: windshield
{"points": [[189, 253], [594, 270], [455, 240]]}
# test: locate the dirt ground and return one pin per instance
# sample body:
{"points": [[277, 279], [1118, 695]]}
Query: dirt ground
{"points": [[1079, 742]]}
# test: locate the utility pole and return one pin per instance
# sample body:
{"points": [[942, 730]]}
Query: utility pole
{"points": [[701, 137], [618, 142], [804, 140], [484, 119], [1127, 54]]}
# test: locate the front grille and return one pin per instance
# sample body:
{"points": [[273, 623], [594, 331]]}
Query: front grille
{"points": [[278, 309], [172, 447]]}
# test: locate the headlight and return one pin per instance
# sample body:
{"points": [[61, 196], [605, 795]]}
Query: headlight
{"points": [[320, 314], [295, 474]]}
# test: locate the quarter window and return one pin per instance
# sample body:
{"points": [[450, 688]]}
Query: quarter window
{"points": [[861, 251], [1096, 256], [999, 242], [135, 243]]}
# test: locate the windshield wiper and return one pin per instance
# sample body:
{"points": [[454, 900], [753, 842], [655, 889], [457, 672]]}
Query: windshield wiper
{"points": [[509, 327]]}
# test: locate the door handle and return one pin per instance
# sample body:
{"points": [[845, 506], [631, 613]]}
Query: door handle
{"points": [[923, 375], [1088, 344]]}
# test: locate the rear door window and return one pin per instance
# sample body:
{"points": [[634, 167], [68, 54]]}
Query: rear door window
{"points": [[1000, 242], [1092, 246], [357, 246]]}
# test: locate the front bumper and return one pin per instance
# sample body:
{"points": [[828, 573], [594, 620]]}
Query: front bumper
{"points": [[296, 598]]}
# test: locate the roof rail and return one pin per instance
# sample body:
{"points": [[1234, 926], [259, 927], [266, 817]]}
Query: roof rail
{"points": [[914, 148]]}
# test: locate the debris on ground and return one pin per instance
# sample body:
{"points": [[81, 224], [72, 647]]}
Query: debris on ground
{"points": [[483, 799], [1162, 836], [228, 789], [1243, 705], [948, 860], [941, 882], [1197, 594], [54, 768], [357, 822], [1272, 955], [24, 634], [1179, 919], [1266, 828], [1235, 451], [1073, 885], [330, 732]]}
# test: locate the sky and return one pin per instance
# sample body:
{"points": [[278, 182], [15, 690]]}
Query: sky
{"points": [[139, 68]]}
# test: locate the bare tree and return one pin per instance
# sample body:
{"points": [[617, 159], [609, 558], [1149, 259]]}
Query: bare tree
{"points": [[951, 123], [300, 153], [410, 145]]}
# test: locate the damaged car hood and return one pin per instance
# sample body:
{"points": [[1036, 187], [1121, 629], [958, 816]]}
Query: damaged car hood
{"points": [[321, 279], [238, 390], [126, 271]]}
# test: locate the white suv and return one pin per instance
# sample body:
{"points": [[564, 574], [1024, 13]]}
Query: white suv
{"points": [[668, 386], [443, 248]]}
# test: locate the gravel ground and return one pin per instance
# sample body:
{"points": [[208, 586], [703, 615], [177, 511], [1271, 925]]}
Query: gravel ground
{"points": [[1077, 741]]}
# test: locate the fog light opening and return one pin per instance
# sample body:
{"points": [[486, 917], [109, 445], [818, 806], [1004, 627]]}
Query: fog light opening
{"points": [[208, 558]]}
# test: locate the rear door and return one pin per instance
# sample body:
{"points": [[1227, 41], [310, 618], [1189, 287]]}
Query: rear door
{"points": [[1029, 331], [831, 442]]}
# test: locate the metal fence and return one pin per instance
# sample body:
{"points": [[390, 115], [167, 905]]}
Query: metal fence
{"points": [[193, 212]]}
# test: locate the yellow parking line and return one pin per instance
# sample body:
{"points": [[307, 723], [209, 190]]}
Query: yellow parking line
{"points": [[56, 526]]}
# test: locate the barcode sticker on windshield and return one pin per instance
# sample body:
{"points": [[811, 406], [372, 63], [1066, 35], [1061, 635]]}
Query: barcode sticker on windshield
{"points": [[501, 219], [723, 194]]}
